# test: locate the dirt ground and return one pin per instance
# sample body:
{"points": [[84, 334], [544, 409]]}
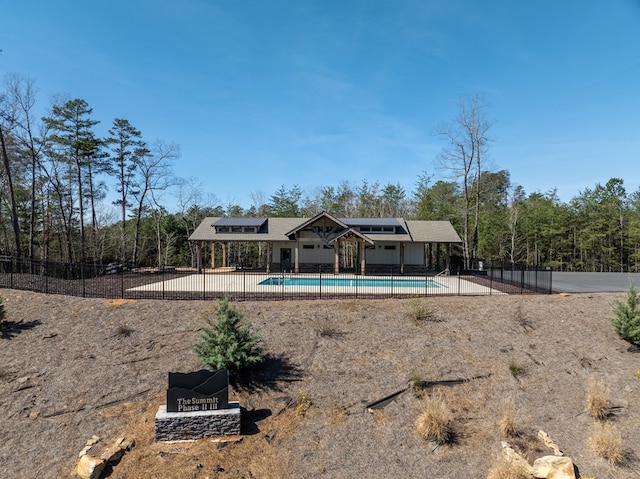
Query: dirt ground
{"points": [[72, 368]]}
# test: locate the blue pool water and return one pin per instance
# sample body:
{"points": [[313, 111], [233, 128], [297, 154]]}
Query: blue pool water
{"points": [[352, 282]]}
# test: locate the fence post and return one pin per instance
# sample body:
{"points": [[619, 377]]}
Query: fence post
{"points": [[459, 282], [490, 273], [320, 283]]}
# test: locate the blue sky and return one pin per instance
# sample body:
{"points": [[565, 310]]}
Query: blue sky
{"points": [[264, 93]]}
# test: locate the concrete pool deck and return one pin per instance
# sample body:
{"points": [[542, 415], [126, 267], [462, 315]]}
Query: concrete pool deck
{"points": [[249, 283]]}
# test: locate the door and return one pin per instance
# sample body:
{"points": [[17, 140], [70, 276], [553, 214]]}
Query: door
{"points": [[285, 259]]}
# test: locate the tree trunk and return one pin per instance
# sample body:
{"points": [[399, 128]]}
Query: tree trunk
{"points": [[12, 198]]}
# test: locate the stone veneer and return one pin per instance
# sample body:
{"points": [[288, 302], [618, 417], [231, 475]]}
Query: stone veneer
{"points": [[174, 426]]}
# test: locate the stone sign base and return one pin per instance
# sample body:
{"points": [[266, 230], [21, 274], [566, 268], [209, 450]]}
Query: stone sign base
{"points": [[175, 426]]}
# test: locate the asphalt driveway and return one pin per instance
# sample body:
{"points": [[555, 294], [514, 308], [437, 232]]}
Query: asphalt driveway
{"points": [[563, 282]]}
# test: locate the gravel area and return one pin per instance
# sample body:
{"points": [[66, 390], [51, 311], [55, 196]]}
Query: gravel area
{"points": [[73, 368]]}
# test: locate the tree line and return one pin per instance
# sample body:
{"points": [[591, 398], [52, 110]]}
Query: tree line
{"points": [[56, 172]]}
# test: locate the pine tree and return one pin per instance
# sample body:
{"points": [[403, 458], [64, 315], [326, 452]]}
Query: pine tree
{"points": [[626, 316], [225, 344]]}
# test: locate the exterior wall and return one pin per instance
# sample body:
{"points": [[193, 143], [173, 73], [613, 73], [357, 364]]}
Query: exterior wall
{"points": [[277, 246], [379, 255], [316, 255], [414, 254]]}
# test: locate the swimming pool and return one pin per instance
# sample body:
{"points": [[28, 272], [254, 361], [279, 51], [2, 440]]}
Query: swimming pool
{"points": [[352, 282]]}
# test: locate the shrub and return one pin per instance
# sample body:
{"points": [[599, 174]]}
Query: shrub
{"points": [[435, 422], [597, 400], [225, 344], [626, 316], [303, 403], [124, 331], [418, 310], [606, 442], [515, 369]]}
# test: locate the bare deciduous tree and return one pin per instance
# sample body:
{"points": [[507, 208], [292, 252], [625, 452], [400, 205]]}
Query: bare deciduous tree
{"points": [[463, 157]]}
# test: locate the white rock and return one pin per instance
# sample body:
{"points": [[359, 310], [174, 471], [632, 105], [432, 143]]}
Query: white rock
{"points": [[553, 467], [90, 467]]}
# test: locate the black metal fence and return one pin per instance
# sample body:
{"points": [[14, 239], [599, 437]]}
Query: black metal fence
{"points": [[526, 278], [115, 281]]}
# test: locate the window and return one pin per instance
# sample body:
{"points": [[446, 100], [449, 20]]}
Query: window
{"points": [[308, 246], [389, 246], [377, 229]]}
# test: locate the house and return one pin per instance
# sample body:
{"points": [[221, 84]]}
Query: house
{"points": [[327, 243]]}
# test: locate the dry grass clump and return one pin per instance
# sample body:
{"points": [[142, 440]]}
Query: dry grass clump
{"points": [[435, 422], [597, 405], [508, 424], [418, 310], [606, 442], [507, 469]]}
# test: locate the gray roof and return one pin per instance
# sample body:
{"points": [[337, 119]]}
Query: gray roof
{"points": [[226, 221], [432, 231], [370, 221], [276, 229]]}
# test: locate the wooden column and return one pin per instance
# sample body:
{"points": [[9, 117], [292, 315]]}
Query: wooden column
{"points": [[363, 262], [213, 255], [296, 264], [336, 257], [269, 248], [224, 254], [401, 258], [199, 256]]}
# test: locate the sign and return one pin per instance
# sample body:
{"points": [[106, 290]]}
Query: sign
{"points": [[198, 391]]}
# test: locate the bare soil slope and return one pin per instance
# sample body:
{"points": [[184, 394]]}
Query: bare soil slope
{"points": [[72, 368]]}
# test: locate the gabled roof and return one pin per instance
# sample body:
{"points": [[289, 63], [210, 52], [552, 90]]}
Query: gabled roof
{"points": [[433, 231], [278, 229], [352, 232], [321, 215]]}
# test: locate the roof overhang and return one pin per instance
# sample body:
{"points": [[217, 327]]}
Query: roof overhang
{"points": [[320, 216], [352, 233]]}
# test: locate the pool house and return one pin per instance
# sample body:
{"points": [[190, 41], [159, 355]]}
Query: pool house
{"points": [[328, 244]]}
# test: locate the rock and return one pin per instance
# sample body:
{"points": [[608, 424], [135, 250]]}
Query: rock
{"points": [[126, 444], [515, 458], [84, 451], [93, 440], [111, 454], [544, 437], [554, 467], [90, 467]]}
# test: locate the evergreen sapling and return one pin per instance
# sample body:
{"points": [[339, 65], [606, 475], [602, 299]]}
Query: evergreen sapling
{"points": [[626, 316], [225, 344]]}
